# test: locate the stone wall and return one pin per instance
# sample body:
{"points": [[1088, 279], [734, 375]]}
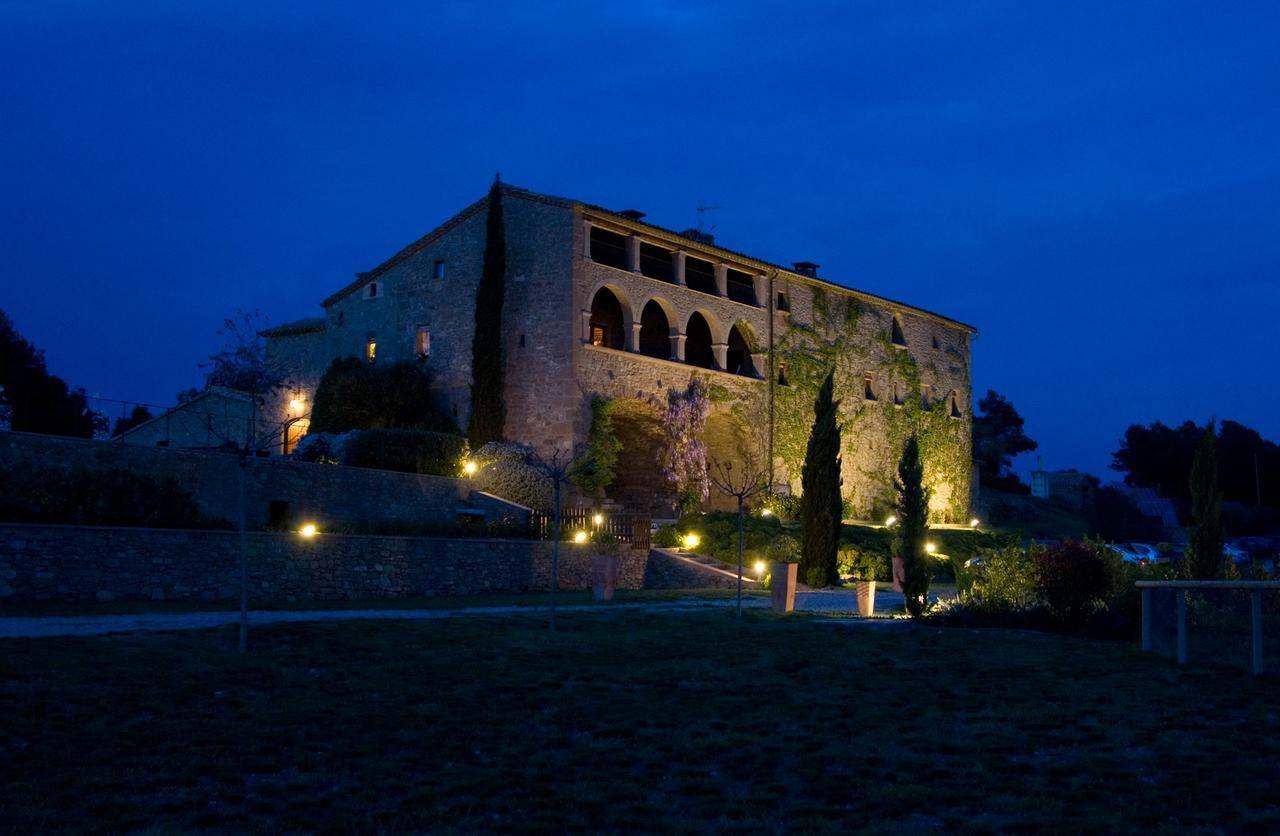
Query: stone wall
{"points": [[322, 493], [86, 563]]}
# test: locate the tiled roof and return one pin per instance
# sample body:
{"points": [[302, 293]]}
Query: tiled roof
{"points": [[670, 236], [302, 326]]}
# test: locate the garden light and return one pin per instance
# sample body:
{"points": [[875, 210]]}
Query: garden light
{"points": [[580, 537], [759, 568], [691, 541], [469, 468], [308, 531], [598, 519], [765, 512], [975, 522], [889, 522], [931, 547]]}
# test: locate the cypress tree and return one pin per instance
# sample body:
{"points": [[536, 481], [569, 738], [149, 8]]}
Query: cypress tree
{"points": [[820, 501], [1204, 540], [913, 525], [488, 410]]}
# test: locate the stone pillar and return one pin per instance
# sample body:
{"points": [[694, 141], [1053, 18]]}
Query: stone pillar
{"points": [[633, 254], [633, 339], [762, 291], [677, 347], [677, 262], [586, 326], [721, 353], [722, 279], [586, 240], [760, 362]]}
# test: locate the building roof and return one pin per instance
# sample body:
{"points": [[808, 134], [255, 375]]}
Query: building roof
{"points": [[627, 219], [309, 325]]}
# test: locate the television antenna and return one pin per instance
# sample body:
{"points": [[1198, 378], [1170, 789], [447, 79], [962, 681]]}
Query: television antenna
{"points": [[700, 210]]}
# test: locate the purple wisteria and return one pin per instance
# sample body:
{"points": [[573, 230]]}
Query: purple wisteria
{"points": [[684, 455]]}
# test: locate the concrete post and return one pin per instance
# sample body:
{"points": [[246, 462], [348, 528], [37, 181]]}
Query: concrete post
{"points": [[633, 253], [677, 347], [677, 263], [722, 279], [721, 353]]}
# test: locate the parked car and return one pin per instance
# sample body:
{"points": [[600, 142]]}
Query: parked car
{"points": [[1143, 554]]}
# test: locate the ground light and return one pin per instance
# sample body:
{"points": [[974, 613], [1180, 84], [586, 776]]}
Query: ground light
{"points": [[931, 547], [691, 541], [765, 512], [890, 521], [975, 522], [580, 537], [469, 468], [597, 520], [308, 531], [759, 569]]}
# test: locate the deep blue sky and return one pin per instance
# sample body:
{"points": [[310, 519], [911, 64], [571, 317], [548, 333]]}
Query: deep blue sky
{"points": [[1096, 186]]}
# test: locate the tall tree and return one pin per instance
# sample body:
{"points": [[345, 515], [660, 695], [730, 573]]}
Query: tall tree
{"points": [[913, 527], [998, 438], [820, 483], [37, 401], [488, 409], [1204, 539]]}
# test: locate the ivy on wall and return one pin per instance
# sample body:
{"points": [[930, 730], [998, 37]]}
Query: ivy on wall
{"points": [[844, 338]]}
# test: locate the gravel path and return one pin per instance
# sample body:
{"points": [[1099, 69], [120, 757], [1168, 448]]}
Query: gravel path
{"points": [[98, 625]]}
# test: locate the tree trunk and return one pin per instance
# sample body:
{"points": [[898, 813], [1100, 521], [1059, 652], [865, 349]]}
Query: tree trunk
{"points": [[739, 557], [555, 555]]}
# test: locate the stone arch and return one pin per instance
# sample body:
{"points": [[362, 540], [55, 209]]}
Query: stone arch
{"points": [[700, 340], [609, 319], [656, 318], [740, 344]]}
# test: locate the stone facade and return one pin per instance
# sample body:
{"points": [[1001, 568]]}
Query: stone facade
{"points": [[599, 303], [85, 563], [326, 494]]}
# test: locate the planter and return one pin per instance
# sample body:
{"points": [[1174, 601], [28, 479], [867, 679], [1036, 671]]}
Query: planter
{"points": [[899, 574], [604, 575], [865, 594], [783, 586]]}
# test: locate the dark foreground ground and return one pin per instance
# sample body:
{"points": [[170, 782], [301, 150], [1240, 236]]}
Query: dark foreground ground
{"points": [[632, 721]]}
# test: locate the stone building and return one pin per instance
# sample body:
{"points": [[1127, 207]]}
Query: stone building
{"points": [[601, 303]]}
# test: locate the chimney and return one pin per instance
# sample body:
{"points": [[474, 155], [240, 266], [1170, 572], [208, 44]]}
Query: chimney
{"points": [[806, 268], [632, 214]]}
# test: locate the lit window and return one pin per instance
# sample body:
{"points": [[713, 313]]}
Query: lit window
{"points": [[437, 270], [423, 344], [371, 350], [598, 335]]}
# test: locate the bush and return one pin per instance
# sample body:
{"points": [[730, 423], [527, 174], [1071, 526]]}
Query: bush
{"points": [[1072, 579], [786, 508], [356, 395], [999, 581], [407, 451], [504, 471], [783, 549], [864, 564], [82, 496], [667, 537]]}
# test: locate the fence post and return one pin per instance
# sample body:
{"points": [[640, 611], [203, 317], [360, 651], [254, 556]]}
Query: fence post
{"points": [[1255, 600], [1147, 615], [1182, 627]]}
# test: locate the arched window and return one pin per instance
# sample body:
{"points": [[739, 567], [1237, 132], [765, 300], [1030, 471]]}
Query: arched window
{"points": [[697, 343], [739, 353], [608, 325], [955, 405], [655, 331]]}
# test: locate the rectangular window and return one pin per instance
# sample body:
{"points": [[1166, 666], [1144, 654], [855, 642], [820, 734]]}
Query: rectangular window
{"points": [[700, 275], [371, 350], [655, 262], [437, 270], [371, 290], [608, 248], [869, 387], [783, 304], [740, 287], [423, 344]]}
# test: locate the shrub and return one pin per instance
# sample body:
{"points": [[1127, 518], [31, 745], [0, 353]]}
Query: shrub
{"points": [[864, 564], [785, 508], [356, 395], [82, 496], [407, 451], [783, 549], [504, 471], [1072, 579], [999, 581], [667, 537]]}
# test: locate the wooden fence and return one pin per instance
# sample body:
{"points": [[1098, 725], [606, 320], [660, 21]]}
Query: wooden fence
{"points": [[1180, 589], [626, 527]]}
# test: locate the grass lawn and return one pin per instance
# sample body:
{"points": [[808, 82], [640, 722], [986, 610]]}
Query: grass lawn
{"points": [[626, 721]]}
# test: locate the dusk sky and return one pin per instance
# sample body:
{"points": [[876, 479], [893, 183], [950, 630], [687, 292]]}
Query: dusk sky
{"points": [[1095, 186]]}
